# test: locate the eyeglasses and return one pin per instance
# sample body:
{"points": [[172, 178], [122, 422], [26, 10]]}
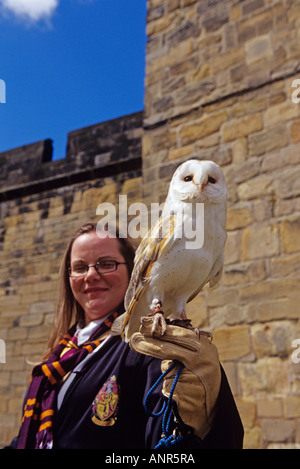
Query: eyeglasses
{"points": [[102, 267]]}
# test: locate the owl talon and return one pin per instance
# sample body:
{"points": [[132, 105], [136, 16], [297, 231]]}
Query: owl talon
{"points": [[159, 325], [157, 321], [182, 323]]}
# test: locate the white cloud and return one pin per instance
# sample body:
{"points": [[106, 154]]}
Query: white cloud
{"points": [[33, 10]]}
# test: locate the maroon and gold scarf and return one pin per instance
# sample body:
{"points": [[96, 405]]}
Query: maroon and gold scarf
{"points": [[39, 409]]}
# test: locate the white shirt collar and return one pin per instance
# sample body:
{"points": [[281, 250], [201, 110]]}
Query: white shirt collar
{"points": [[84, 334]]}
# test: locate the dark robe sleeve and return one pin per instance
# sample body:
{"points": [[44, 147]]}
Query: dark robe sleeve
{"points": [[227, 431]]}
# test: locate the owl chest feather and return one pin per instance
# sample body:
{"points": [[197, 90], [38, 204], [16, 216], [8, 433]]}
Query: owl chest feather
{"points": [[181, 269]]}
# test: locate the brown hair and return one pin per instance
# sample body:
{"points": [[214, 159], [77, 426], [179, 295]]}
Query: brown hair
{"points": [[68, 310]]}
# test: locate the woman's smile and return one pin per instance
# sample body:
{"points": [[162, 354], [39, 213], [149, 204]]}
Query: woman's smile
{"points": [[95, 291]]}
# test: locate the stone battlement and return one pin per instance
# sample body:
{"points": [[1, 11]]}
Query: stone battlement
{"points": [[100, 150]]}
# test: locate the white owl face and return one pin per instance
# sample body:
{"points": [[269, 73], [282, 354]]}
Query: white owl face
{"points": [[198, 181]]}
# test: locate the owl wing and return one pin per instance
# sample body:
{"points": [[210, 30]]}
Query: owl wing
{"points": [[213, 278], [154, 245]]}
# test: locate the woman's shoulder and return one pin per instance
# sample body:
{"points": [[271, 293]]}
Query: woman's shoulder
{"points": [[116, 352]]}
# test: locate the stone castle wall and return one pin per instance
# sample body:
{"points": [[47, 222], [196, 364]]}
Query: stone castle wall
{"points": [[219, 78]]}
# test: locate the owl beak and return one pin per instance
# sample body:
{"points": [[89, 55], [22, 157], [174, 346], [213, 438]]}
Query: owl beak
{"points": [[201, 186]]}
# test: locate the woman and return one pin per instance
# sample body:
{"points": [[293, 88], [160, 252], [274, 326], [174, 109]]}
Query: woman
{"points": [[90, 390]]}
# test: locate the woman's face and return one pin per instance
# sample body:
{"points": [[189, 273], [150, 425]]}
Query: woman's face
{"points": [[98, 294]]}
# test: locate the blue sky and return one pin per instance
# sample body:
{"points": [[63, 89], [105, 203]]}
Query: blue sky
{"points": [[68, 64]]}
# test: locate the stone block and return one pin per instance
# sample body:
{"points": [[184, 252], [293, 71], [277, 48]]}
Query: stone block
{"points": [[278, 430], [8, 420], [32, 320], [19, 378], [214, 16], [272, 339], [268, 309], [287, 183], [260, 241], [240, 150], [290, 234], [265, 377], [281, 112], [181, 152], [235, 12], [185, 30], [199, 73], [247, 170], [292, 406], [251, 6], [258, 48], [236, 274], [226, 60], [133, 189], [253, 438], [270, 408], [197, 311], [263, 209], [255, 188], [233, 251], [249, 104], [295, 131], [285, 157], [17, 334], [267, 140], [39, 333], [193, 94], [4, 380], [219, 296], [285, 265], [207, 125], [247, 410], [231, 374], [242, 127], [160, 140], [233, 343], [41, 307], [270, 290]]}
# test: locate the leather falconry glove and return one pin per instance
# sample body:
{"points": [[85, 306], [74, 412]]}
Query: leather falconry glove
{"points": [[197, 389]]}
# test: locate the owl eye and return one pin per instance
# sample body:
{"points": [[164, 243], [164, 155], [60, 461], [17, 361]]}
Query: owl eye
{"points": [[188, 178], [211, 180]]}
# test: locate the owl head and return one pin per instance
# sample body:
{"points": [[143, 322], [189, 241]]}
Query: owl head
{"points": [[198, 181]]}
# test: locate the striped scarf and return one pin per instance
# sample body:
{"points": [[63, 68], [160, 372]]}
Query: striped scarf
{"points": [[39, 409]]}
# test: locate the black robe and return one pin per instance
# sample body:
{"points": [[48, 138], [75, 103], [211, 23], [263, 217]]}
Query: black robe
{"points": [[103, 406], [135, 374]]}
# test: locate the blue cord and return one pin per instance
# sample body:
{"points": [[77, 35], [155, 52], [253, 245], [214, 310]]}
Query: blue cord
{"points": [[151, 414], [168, 438]]}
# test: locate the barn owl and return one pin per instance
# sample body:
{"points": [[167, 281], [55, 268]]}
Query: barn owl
{"points": [[169, 270]]}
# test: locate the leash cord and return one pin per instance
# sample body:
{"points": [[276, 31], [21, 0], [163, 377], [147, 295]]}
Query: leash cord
{"points": [[146, 402], [168, 439]]}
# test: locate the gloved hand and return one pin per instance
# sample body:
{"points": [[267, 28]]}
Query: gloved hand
{"points": [[198, 386]]}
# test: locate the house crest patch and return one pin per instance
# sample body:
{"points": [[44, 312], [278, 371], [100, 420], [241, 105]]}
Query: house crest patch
{"points": [[105, 404]]}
